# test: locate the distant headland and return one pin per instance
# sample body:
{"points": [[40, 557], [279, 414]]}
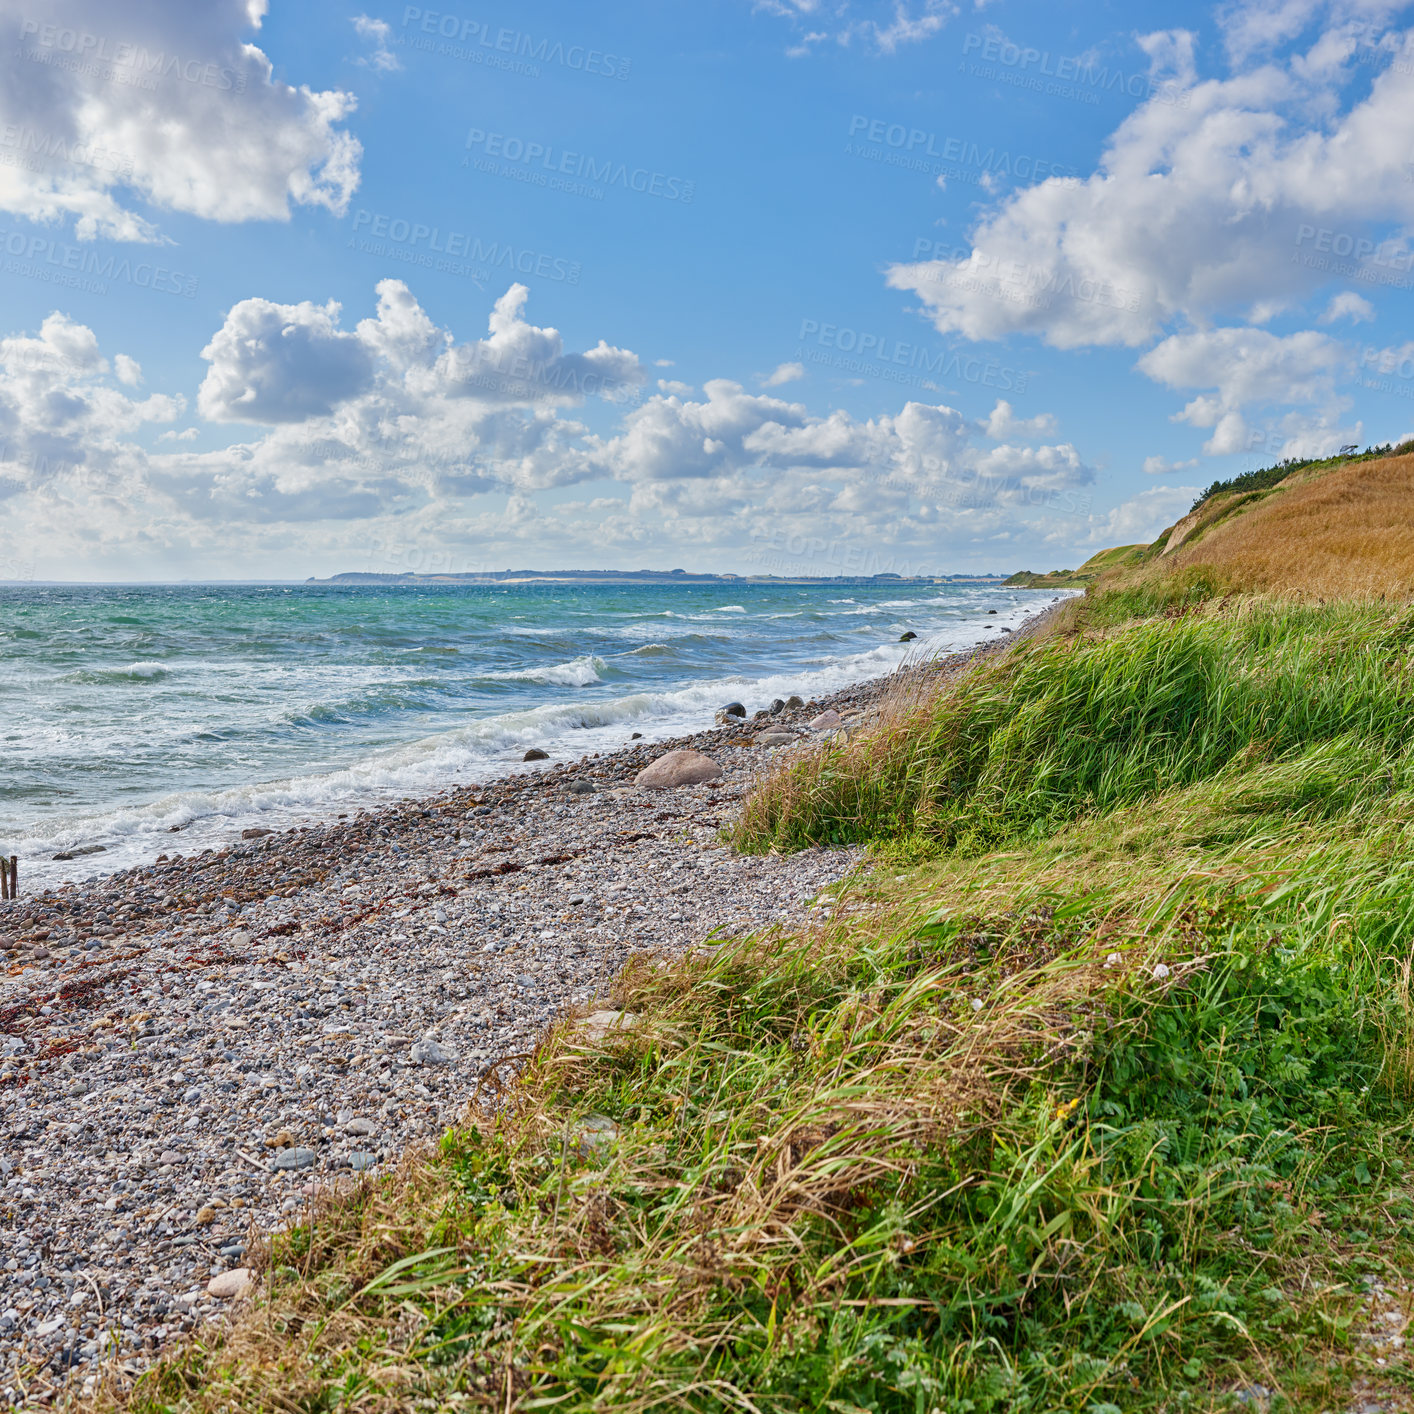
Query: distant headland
{"points": [[645, 577]]}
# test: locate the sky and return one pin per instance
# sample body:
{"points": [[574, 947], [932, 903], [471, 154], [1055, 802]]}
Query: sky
{"points": [[796, 287]]}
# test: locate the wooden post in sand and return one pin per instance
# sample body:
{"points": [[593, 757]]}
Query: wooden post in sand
{"points": [[10, 877]]}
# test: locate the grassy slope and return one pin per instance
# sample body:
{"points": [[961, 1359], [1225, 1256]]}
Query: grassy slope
{"points": [[1095, 1097], [1097, 565], [1346, 533]]}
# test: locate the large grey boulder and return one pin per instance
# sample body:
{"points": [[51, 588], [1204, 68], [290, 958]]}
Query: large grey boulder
{"points": [[684, 767]]}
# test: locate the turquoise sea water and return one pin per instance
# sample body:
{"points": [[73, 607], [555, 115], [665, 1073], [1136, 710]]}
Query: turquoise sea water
{"points": [[125, 710]]}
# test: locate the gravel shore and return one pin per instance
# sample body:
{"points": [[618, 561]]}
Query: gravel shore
{"points": [[188, 1049]]}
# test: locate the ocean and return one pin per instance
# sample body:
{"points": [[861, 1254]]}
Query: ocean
{"points": [[128, 710]]}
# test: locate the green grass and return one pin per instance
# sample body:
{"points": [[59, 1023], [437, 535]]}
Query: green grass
{"points": [[1102, 1103], [1089, 725], [836, 1184], [1119, 557]]}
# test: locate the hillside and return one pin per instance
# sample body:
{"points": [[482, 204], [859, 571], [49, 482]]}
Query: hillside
{"points": [[1329, 529], [1118, 558]]}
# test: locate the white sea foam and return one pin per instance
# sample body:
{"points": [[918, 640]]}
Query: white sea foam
{"points": [[578, 672], [493, 744]]}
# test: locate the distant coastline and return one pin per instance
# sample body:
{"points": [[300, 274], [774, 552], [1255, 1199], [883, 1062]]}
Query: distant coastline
{"points": [[645, 577]]}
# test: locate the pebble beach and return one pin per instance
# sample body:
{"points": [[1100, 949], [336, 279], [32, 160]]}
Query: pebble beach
{"points": [[192, 1049]]}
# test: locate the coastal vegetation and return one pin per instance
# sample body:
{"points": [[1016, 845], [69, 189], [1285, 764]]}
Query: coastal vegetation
{"points": [[1091, 1092], [1087, 574]]}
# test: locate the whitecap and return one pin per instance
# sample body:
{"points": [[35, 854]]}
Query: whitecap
{"points": [[578, 672]]}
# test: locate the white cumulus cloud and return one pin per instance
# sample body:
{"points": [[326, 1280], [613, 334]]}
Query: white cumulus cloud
{"points": [[1251, 369], [1348, 305], [877, 26], [784, 373], [167, 103], [373, 436], [377, 33], [1232, 195]]}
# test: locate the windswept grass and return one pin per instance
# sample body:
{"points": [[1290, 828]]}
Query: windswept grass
{"points": [[1089, 725], [919, 1161]]}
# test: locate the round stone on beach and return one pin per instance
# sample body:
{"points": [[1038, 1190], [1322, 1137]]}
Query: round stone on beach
{"points": [[599, 1023], [289, 1159], [775, 739], [907, 637], [826, 721], [228, 1284], [535, 754], [255, 833], [684, 767]]}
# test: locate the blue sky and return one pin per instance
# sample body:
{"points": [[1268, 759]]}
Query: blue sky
{"points": [[799, 287]]}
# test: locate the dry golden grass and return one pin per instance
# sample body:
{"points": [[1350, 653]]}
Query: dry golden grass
{"points": [[1346, 534]]}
